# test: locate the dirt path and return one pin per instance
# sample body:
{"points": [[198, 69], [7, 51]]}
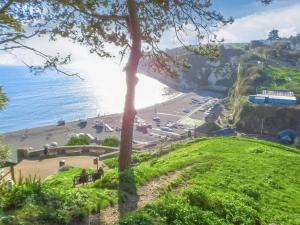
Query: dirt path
{"points": [[145, 195]]}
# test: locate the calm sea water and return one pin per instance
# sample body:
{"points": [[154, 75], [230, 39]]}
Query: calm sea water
{"points": [[38, 100]]}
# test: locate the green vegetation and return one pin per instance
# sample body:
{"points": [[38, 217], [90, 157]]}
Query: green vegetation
{"points": [[235, 181], [3, 148], [240, 46], [80, 140], [137, 157], [111, 141], [256, 73], [283, 79], [3, 99], [54, 201], [3, 153], [223, 181]]}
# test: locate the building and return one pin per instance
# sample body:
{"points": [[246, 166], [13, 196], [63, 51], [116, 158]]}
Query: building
{"points": [[274, 98]]}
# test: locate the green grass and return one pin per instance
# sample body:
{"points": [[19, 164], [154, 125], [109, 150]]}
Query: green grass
{"points": [[111, 141], [81, 140], [62, 182], [283, 79], [227, 181], [235, 181], [240, 46]]}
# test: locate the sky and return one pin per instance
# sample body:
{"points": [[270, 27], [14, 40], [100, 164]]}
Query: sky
{"points": [[242, 8], [253, 21]]}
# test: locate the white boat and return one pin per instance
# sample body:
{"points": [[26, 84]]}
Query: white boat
{"points": [[54, 144]]}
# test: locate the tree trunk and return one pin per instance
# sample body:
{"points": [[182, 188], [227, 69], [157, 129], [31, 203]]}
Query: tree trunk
{"points": [[131, 81]]}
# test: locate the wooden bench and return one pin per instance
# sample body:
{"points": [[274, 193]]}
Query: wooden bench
{"points": [[84, 179]]}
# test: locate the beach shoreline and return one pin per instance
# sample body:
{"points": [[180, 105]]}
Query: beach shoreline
{"points": [[36, 138]]}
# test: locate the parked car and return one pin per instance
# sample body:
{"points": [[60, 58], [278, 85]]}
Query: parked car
{"points": [[186, 110], [156, 119], [166, 129], [171, 125], [143, 126]]}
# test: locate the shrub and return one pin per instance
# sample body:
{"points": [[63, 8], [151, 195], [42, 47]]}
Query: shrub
{"points": [[22, 153], [4, 153], [80, 140], [111, 141], [227, 207], [140, 218], [172, 210]]}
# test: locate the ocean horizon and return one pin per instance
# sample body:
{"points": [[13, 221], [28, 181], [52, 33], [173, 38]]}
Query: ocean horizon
{"points": [[41, 100]]}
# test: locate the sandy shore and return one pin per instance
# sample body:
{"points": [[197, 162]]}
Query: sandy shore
{"points": [[170, 110]]}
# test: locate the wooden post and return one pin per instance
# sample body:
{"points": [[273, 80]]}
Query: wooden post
{"points": [[12, 171]]}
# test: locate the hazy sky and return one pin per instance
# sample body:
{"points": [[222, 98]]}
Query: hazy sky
{"points": [[253, 21]]}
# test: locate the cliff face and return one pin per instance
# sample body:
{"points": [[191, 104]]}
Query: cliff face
{"points": [[274, 118], [271, 67], [217, 75]]}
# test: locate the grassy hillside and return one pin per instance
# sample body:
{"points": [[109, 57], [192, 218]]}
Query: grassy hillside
{"points": [[283, 78], [223, 181], [232, 181]]}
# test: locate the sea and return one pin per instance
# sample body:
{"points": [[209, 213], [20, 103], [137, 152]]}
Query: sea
{"points": [[40, 100]]}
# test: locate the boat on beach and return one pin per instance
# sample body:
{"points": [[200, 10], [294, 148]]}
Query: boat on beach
{"points": [[61, 122]]}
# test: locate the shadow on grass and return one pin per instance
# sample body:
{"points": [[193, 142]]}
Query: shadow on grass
{"points": [[128, 197]]}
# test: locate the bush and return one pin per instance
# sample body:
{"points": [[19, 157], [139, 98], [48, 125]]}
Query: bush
{"points": [[172, 210], [22, 153], [81, 140], [31, 202], [111, 141]]}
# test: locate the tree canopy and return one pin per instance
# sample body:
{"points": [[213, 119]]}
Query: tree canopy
{"points": [[24, 20], [3, 148], [273, 35], [131, 29], [3, 99], [3, 154]]}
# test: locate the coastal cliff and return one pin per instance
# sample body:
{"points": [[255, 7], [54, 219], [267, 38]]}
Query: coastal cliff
{"points": [[204, 74]]}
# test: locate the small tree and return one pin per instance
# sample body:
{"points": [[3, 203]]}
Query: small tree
{"points": [[3, 99], [273, 35], [3, 148], [4, 153]]}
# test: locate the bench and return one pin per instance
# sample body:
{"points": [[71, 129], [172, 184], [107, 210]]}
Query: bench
{"points": [[86, 178]]}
